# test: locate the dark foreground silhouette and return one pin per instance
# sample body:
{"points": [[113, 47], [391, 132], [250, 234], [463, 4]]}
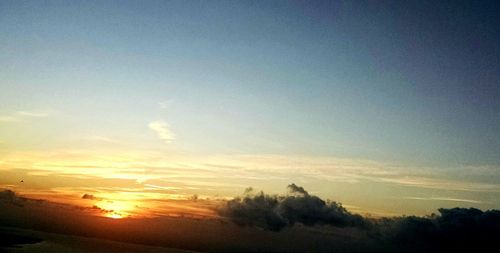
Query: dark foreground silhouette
{"points": [[255, 222], [451, 229]]}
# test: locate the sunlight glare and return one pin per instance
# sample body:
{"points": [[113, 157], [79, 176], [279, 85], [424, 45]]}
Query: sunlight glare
{"points": [[114, 215]]}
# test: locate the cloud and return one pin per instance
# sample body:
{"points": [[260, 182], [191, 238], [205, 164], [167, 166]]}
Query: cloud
{"points": [[446, 199], [164, 104], [90, 196], [455, 229], [21, 115], [35, 114], [440, 184], [274, 212], [161, 129], [8, 196]]}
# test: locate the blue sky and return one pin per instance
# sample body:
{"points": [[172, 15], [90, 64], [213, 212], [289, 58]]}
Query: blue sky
{"points": [[414, 83]]}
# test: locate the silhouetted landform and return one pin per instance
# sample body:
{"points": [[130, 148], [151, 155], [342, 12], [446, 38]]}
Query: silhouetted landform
{"points": [[274, 212], [14, 239], [305, 224], [22, 240]]}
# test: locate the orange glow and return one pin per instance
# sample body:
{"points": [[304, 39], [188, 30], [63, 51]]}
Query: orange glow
{"points": [[117, 209]]}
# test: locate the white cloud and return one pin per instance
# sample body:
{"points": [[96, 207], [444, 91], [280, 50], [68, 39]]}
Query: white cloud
{"points": [[35, 114], [161, 129], [446, 199], [21, 115]]}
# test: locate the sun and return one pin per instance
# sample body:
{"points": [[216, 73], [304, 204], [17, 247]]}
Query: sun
{"points": [[116, 209]]}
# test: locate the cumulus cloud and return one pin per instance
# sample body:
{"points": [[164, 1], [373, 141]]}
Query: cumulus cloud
{"points": [[162, 130], [274, 212]]}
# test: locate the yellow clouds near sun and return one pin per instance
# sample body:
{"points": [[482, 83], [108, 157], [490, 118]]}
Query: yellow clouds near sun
{"points": [[154, 183]]}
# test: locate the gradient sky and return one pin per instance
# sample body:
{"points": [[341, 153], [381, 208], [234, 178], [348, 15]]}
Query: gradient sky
{"points": [[360, 101]]}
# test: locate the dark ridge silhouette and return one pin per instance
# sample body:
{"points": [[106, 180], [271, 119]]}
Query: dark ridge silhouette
{"points": [[274, 212], [11, 239]]}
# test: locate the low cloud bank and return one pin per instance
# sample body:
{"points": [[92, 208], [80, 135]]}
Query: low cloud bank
{"points": [[274, 212], [451, 229], [455, 228]]}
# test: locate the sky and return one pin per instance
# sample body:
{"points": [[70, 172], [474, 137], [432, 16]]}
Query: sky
{"points": [[388, 107]]}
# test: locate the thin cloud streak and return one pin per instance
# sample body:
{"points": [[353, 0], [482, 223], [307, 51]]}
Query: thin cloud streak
{"points": [[445, 199], [34, 114], [440, 184], [21, 115]]}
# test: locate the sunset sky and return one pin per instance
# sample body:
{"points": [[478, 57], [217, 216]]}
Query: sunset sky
{"points": [[388, 108]]}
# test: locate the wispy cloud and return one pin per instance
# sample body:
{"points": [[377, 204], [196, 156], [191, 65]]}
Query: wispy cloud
{"points": [[164, 104], [221, 176], [35, 114], [21, 115], [440, 184], [171, 188], [162, 130], [445, 199]]}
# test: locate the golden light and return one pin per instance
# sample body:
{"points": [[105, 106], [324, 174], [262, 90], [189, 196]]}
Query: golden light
{"points": [[117, 209], [114, 215]]}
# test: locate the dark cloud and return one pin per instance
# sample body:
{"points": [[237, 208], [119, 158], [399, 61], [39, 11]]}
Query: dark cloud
{"points": [[452, 229], [90, 196], [293, 188], [274, 212], [8, 196]]}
